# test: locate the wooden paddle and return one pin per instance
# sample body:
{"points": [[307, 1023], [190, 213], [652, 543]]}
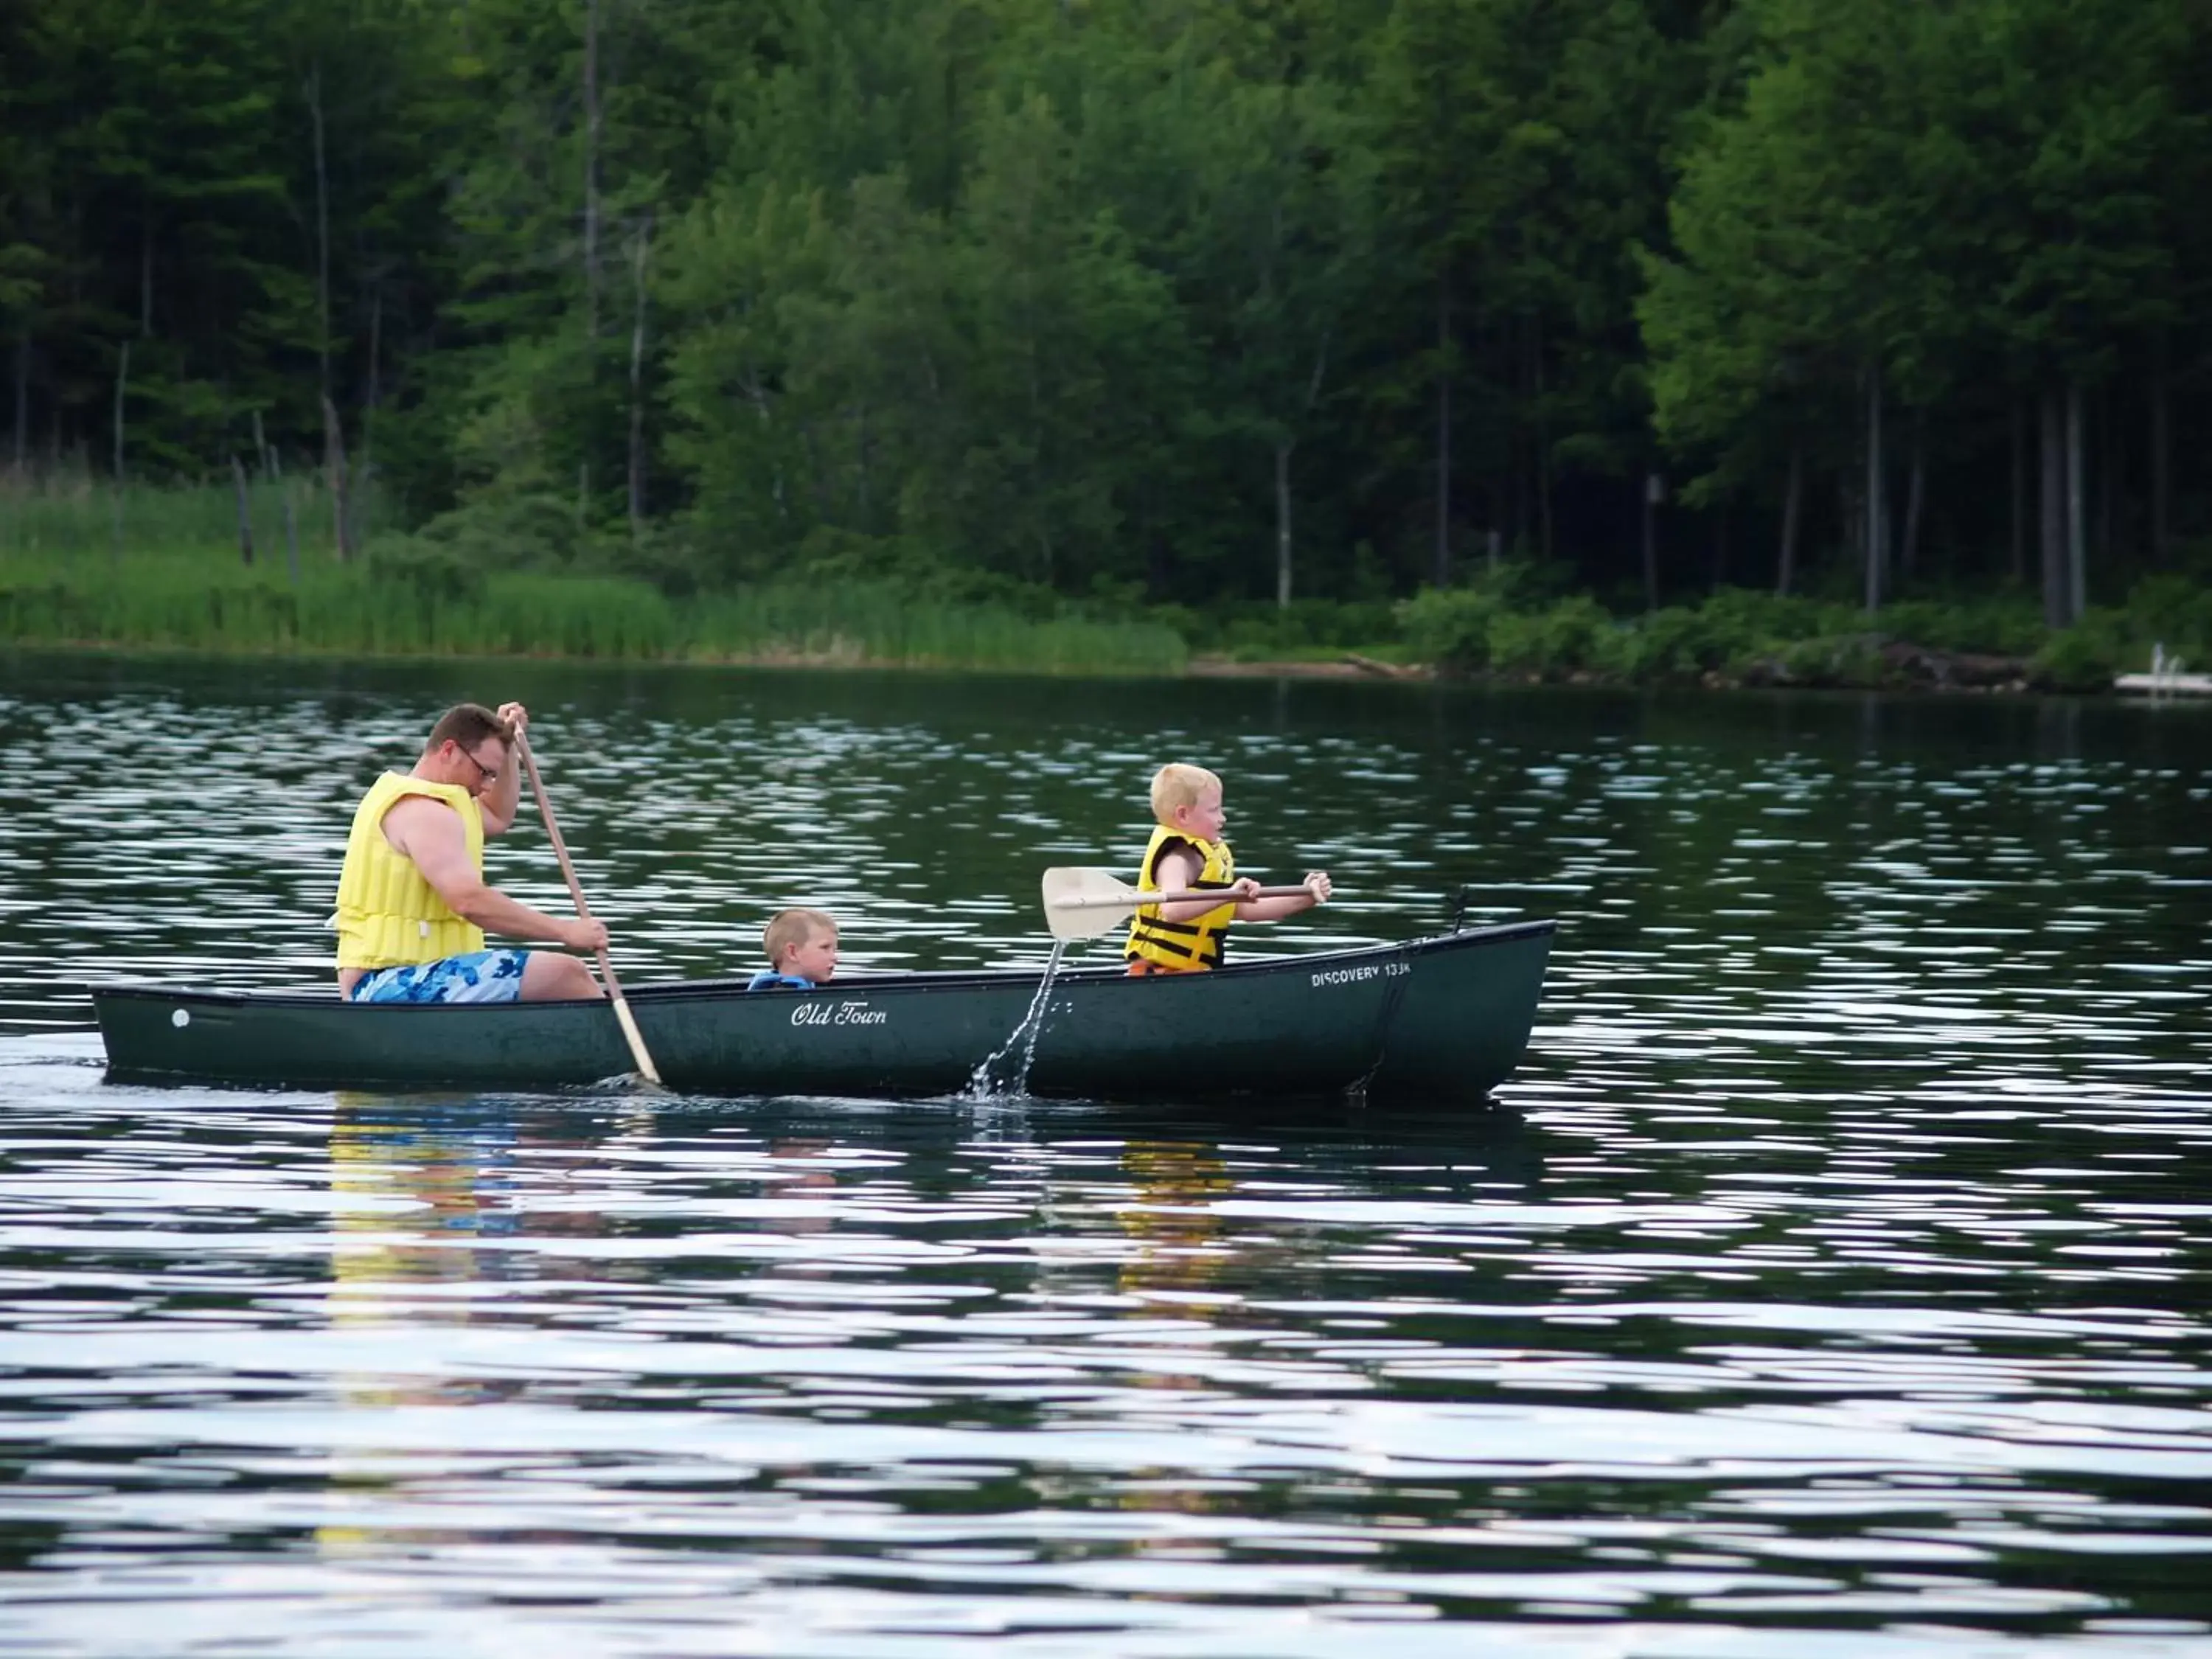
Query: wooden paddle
{"points": [[1082, 903], [630, 1033]]}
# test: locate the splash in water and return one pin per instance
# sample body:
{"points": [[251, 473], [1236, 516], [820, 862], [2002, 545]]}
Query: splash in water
{"points": [[985, 1084]]}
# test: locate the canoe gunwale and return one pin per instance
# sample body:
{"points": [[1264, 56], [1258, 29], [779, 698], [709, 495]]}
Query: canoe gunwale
{"points": [[920, 980]]}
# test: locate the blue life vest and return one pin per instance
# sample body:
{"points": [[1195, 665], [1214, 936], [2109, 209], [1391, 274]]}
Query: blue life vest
{"points": [[768, 979]]}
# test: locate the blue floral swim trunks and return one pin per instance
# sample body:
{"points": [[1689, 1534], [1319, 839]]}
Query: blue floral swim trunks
{"points": [[472, 976]]}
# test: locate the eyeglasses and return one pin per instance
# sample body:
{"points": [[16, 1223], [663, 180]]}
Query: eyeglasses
{"points": [[490, 774]]}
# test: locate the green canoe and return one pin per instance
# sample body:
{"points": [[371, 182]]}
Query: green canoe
{"points": [[1446, 1016]]}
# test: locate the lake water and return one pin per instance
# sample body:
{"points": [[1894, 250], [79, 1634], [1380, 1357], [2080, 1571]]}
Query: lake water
{"points": [[1830, 1280]]}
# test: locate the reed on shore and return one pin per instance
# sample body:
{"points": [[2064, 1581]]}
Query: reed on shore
{"points": [[178, 580], [61, 519]]}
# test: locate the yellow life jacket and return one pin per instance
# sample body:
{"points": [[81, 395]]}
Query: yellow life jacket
{"points": [[388, 915], [1200, 942]]}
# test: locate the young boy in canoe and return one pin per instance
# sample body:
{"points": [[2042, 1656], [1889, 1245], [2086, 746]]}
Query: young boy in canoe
{"points": [[802, 952], [1186, 851]]}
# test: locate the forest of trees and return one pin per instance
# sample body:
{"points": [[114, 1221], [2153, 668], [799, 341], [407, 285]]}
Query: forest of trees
{"points": [[1171, 299]]}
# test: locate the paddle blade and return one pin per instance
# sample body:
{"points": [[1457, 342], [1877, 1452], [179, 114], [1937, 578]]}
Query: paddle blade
{"points": [[1085, 903]]}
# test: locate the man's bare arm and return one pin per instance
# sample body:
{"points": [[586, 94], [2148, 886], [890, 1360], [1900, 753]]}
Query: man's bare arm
{"points": [[429, 833], [503, 801]]}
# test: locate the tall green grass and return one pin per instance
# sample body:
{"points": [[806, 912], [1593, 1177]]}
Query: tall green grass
{"points": [[68, 517], [181, 585]]}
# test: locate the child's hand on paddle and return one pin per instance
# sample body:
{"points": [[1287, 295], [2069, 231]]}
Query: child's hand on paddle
{"points": [[1317, 885]]}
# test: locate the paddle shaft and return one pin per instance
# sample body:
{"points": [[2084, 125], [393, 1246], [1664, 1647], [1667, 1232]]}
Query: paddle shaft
{"points": [[623, 1015], [1135, 899]]}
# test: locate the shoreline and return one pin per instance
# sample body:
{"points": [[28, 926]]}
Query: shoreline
{"points": [[1920, 672], [1348, 667], [838, 661]]}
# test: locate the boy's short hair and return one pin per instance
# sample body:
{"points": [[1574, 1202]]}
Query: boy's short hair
{"points": [[788, 929], [1177, 785]]}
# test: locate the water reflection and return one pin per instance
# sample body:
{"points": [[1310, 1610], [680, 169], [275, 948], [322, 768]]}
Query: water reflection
{"points": [[1171, 1217], [423, 1201], [1834, 1275]]}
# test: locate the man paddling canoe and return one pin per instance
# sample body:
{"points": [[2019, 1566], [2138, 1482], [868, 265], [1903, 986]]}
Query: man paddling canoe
{"points": [[413, 904]]}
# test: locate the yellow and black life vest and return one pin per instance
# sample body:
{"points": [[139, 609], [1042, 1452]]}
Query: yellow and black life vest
{"points": [[388, 915], [1200, 942]]}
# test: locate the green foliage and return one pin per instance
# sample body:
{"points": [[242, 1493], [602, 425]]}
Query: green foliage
{"points": [[1930, 204], [434, 574], [1680, 643], [512, 531], [2170, 614], [2002, 627], [1740, 635], [2173, 611], [1840, 660], [1305, 627], [1451, 626], [1075, 312], [1570, 637], [2084, 658]]}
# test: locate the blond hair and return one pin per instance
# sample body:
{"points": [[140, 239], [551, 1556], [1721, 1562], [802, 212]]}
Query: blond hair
{"points": [[1177, 785], [787, 930]]}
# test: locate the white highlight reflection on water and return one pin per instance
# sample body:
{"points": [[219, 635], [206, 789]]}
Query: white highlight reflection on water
{"points": [[1832, 1282]]}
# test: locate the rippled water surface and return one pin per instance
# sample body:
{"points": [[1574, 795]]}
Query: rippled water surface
{"points": [[1830, 1280]]}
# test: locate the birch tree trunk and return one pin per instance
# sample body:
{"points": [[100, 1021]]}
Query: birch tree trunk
{"points": [[2112, 468], [2161, 464], [1793, 496], [1286, 444], [314, 91], [2052, 494], [2077, 559], [864, 469], [1651, 541], [122, 385], [2019, 491], [1852, 511], [365, 475], [245, 512], [1877, 516], [1545, 527], [1510, 489], [592, 169], [146, 276], [1915, 495], [291, 537], [1442, 571], [23, 401], [637, 391], [334, 464], [376, 354]]}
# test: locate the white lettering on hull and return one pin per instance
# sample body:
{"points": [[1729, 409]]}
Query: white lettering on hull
{"points": [[838, 1013], [1365, 971]]}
